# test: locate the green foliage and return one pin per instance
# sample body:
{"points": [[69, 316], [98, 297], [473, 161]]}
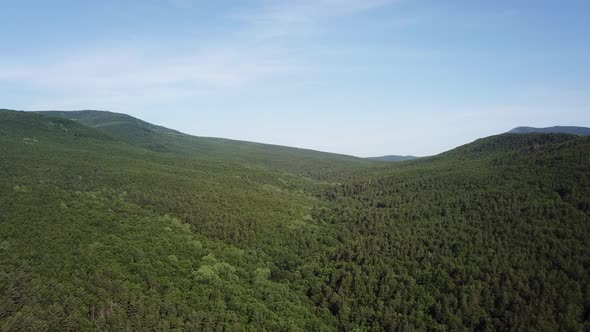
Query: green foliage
{"points": [[160, 139], [98, 231], [490, 236]]}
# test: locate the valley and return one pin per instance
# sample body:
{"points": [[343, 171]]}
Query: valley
{"points": [[108, 222]]}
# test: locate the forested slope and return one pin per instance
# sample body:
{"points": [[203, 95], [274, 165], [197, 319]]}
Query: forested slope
{"points": [[584, 131], [160, 139], [490, 236], [99, 233]]}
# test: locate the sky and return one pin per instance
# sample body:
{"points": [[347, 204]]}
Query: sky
{"points": [[359, 77]]}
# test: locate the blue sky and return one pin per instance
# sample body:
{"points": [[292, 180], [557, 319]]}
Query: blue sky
{"points": [[361, 77]]}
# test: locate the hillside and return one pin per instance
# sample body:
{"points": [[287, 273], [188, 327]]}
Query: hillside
{"points": [[161, 139], [100, 232], [127, 238], [17, 124], [557, 129]]}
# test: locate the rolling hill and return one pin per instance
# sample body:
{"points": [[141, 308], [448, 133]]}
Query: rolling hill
{"points": [[160, 139], [99, 231]]}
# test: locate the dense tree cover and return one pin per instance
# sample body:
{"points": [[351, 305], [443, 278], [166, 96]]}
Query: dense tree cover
{"points": [[64, 192], [98, 233], [492, 240], [160, 139]]}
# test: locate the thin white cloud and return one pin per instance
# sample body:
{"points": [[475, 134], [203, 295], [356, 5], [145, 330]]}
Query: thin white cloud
{"points": [[295, 12], [279, 18], [107, 76], [136, 69]]}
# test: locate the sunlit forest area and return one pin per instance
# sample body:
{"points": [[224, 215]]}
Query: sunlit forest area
{"points": [[110, 223]]}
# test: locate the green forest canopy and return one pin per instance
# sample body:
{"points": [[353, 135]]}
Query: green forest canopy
{"points": [[123, 225]]}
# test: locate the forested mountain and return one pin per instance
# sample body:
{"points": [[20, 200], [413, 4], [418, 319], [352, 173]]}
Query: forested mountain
{"points": [[392, 158], [557, 129], [99, 230], [160, 139]]}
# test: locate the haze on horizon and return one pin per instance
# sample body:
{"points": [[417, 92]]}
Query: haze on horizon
{"points": [[359, 77]]}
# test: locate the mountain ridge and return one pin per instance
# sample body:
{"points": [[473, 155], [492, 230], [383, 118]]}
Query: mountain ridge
{"points": [[98, 121], [392, 158], [161, 139], [576, 130]]}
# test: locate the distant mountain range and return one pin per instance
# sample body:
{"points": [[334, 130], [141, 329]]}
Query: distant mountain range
{"points": [[164, 140], [392, 158], [584, 131], [161, 139], [573, 130]]}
